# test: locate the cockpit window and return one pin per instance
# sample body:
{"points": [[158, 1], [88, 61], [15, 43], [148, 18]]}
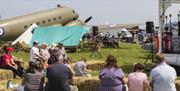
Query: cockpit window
{"points": [[74, 11]]}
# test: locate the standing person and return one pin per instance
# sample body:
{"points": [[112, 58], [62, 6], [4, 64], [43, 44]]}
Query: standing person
{"points": [[111, 77], [62, 50], [34, 52], [119, 35], [7, 62], [137, 79], [44, 52], [163, 76], [143, 35], [166, 43], [33, 79], [133, 36], [53, 53], [81, 69], [156, 42], [58, 76]]}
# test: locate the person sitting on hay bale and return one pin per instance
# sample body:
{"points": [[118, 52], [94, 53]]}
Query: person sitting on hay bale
{"points": [[68, 62], [33, 79], [137, 80], [80, 68], [163, 76], [111, 77], [58, 76], [7, 62]]}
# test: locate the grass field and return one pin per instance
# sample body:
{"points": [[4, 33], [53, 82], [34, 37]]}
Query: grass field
{"points": [[127, 55]]}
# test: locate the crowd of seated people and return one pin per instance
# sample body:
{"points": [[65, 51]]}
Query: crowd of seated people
{"points": [[46, 62], [162, 77], [59, 69], [106, 40]]}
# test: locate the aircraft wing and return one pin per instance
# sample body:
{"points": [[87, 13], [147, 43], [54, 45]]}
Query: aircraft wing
{"points": [[113, 26]]}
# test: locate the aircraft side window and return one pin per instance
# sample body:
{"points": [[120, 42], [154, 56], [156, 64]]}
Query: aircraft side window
{"points": [[49, 20], [25, 26], [54, 19], [43, 21], [38, 23]]}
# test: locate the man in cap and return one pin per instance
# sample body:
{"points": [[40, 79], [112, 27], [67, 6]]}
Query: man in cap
{"points": [[34, 52], [44, 52]]}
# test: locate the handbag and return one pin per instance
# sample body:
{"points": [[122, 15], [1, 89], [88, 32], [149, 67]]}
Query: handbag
{"points": [[124, 87]]}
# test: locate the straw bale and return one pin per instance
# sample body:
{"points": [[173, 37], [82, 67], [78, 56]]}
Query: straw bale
{"points": [[86, 84], [5, 74], [95, 65]]}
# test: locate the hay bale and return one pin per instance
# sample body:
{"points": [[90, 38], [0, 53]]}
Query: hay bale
{"points": [[5, 74], [95, 65], [86, 84]]}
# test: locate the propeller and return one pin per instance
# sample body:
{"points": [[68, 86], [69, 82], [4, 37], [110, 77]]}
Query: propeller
{"points": [[88, 19]]}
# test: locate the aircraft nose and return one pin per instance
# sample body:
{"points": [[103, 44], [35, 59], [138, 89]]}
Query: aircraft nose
{"points": [[1, 31]]}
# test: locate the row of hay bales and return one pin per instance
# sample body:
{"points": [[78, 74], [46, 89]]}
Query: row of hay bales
{"points": [[95, 66], [92, 84]]}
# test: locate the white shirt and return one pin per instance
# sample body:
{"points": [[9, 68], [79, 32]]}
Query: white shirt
{"points": [[79, 68], [62, 51], [163, 78], [33, 52], [45, 53]]}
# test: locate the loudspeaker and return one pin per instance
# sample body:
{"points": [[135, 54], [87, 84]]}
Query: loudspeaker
{"points": [[179, 28], [95, 30], [150, 27]]}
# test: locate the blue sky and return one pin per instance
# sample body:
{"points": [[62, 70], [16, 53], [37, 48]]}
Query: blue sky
{"points": [[113, 11]]}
